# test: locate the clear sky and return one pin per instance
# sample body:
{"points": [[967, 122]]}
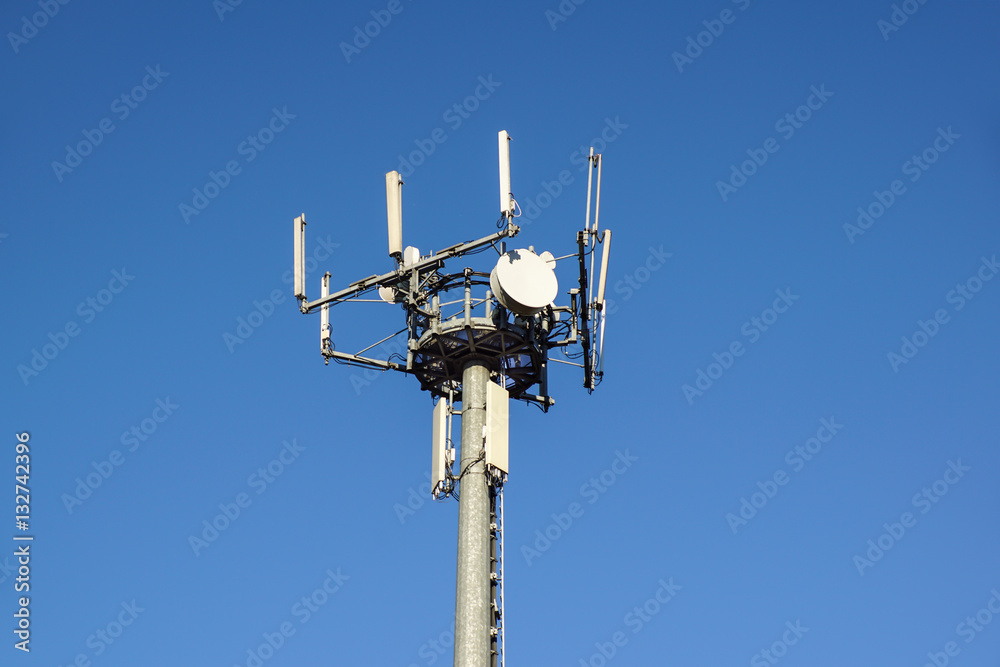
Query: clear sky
{"points": [[792, 458]]}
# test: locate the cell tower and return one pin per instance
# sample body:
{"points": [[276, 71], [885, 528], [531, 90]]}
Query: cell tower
{"points": [[478, 339]]}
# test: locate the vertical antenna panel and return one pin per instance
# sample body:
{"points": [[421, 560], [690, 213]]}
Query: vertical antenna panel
{"points": [[506, 206], [600, 348], [595, 160], [394, 212], [597, 204], [597, 350], [604, 267], [439, 444], [497, 417], [300, 256], [324, 326], [590, 185]]}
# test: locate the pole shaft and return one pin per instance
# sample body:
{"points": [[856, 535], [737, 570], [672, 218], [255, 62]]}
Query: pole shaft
{"points": [[472, 590]]}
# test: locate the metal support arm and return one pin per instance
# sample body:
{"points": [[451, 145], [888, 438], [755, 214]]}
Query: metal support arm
{"points": [[401, 274], [365, 361]]}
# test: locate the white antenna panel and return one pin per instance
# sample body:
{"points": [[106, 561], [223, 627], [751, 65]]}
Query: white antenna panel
{"points": [[394, 212], [497, 426], [606, 242], [597, 204], [590, 185], [506, 199], [600, 345], [411, 256], [300, 256], [439, 446]]}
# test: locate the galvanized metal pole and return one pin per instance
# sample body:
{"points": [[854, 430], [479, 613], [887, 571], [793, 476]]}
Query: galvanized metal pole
{"points": [[472, 590]]}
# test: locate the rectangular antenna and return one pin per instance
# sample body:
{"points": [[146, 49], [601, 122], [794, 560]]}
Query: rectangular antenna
{"points": [[324, 325], [497, 418], [590, 184], [439, 444], [600, 349], [604, 266], [394, 212], [597, 204], [506, 200], [300, 256]]}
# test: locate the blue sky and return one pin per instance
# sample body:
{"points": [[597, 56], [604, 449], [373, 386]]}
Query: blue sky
{"points": [[155, 156]]}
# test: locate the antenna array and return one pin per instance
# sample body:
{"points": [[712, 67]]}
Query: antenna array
{"points": [[485, 335]]}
